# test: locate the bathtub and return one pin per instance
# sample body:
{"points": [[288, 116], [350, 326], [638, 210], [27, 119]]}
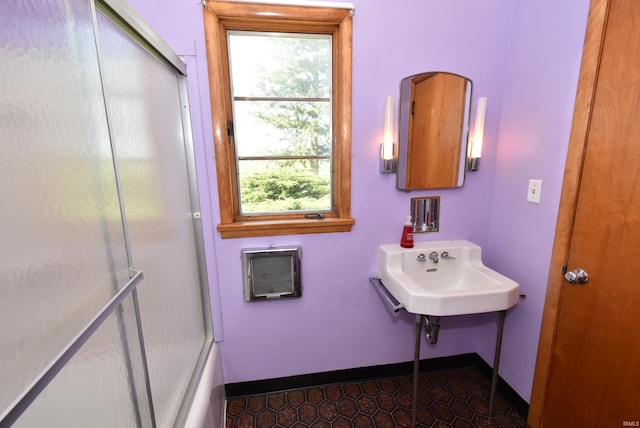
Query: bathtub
{"points": [[207, 408]]}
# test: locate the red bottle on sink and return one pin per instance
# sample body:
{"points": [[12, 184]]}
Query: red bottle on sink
{"points": [[407, 234]]}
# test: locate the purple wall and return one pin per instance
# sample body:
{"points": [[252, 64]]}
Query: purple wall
{"points": [[535, 122], [528, 50]]}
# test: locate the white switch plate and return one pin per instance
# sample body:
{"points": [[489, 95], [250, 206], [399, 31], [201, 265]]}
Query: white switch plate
{"points": [[535, 188]]}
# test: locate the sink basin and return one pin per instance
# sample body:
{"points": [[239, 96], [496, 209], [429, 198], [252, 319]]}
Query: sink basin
{"points": [[460, 284]]}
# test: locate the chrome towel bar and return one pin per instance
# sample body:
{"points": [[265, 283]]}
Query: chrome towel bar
{"points": [[386, 294]]}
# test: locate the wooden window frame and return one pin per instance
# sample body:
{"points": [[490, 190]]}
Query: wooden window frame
{"points": [[220, 16]]}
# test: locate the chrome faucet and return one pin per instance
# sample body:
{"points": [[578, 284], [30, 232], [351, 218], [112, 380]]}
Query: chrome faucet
{"points": [[433, 256], [421, 258], [445, 255]]}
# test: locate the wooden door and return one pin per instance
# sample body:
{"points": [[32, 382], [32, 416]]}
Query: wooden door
{"points": [[594, 371]]}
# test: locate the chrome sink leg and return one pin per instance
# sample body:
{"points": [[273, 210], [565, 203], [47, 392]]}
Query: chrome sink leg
{"points": [[416, 370], [496, 360]]}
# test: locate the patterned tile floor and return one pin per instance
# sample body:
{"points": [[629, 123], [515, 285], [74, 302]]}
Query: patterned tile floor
{"points": [[451, 398]]}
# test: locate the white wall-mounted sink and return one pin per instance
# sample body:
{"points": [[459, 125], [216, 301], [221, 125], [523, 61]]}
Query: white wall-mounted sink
{"points": [[460, 284]]}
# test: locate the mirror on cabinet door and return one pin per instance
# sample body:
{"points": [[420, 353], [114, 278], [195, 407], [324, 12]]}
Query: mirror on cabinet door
{"points": [[433, 131]]}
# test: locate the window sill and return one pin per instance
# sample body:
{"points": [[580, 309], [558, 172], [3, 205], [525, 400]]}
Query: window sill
{"points": [[244, 229]]}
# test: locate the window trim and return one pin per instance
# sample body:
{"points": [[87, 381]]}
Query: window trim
{"points": [[220, 16]]}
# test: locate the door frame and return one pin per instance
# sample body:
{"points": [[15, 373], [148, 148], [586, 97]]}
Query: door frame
{"points": [[589, 68]]}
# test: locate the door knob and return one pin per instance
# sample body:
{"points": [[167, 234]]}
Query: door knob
{"points": [[577, 276]]}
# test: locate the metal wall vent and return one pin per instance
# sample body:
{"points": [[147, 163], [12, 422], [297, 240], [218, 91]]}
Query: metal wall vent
{"points": [[271, 273]]}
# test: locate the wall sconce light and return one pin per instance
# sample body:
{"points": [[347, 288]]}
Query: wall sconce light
{"points": [[388, 148], [475, 146]]}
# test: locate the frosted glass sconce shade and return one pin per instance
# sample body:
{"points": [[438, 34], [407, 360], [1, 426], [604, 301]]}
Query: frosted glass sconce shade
{"points": [[475, 146], [388, 150]]}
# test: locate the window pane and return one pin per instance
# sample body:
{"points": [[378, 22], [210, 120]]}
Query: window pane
{"points": [[281, 90], [284, 185], [280, 65], [283, 128]]}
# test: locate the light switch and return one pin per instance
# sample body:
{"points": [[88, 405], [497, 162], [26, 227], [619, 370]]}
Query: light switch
{"points": [[533, 193]]}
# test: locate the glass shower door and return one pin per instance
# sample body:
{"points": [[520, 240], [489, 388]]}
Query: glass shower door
{"points": [[145, 112], [97, 179], [63, 252]]}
